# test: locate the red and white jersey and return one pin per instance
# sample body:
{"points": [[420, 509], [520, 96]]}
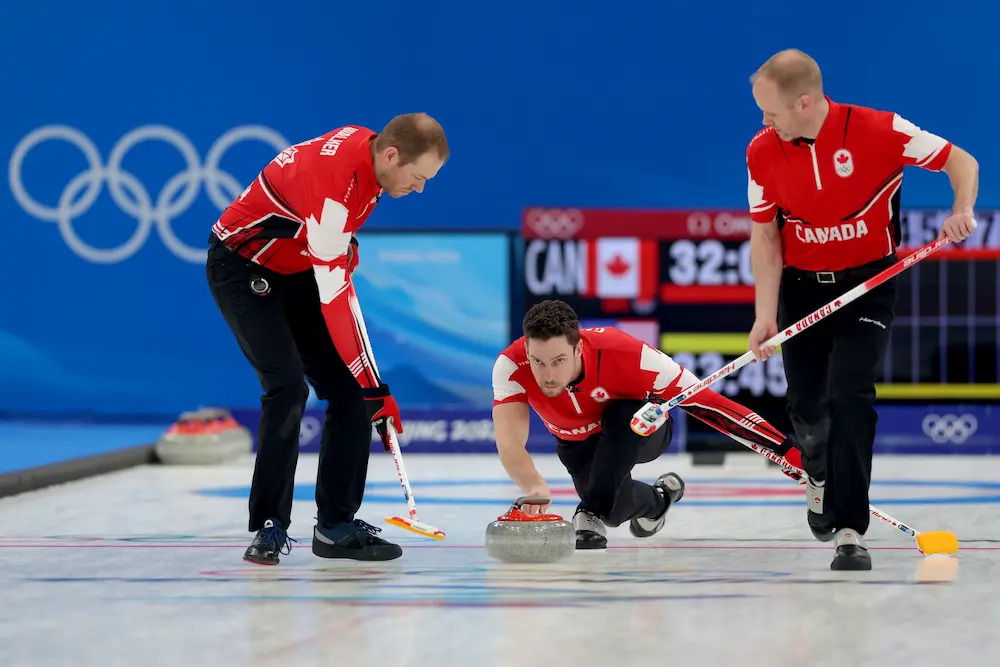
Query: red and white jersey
{"points": [[615, 365], [619, 366], [836, 198], [300, 214], [306, 203]]}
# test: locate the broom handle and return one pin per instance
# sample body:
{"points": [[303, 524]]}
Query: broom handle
{"points": [[397, 456]]}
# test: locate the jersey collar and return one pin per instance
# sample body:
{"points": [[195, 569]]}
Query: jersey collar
{"points": [[587, 352], [832, 120], [367, 172]]}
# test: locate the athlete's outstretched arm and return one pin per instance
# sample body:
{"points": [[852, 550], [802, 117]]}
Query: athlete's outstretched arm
{"points": [[511, 424], [719, 412]]}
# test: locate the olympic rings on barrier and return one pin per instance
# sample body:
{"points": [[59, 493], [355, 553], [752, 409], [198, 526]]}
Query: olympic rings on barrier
{"points": [[554, 223], [128, 191], [949, 428]]}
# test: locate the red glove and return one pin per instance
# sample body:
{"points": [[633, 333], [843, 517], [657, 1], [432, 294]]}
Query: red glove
{"points": [[381, 407], [793, 456]]}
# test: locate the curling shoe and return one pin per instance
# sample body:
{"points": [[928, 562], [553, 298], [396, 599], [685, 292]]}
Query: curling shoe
{"points": [[819, 524], [852, 551], [356, 540], [590, 531], [271, 541], [671, 487]]}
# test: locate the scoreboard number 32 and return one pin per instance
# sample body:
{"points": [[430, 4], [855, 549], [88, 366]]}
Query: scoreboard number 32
{"points": [[710, 262]]}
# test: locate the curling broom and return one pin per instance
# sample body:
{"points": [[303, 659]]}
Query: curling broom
{"points": [[800, 326], [929, 543], [936, 542], [411, 523]]}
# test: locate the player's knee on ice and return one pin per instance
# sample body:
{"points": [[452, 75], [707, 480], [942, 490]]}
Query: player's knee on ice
{"points": [[612, 494]]}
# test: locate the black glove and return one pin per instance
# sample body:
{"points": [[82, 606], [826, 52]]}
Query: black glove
{"points": [[352, 257]]}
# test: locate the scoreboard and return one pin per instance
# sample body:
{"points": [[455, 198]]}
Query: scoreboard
{"points": [[682, 281]]}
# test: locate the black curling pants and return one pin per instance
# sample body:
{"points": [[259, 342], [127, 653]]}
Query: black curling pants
{"points": [[831, 369], [284, 337], [601, 466]]}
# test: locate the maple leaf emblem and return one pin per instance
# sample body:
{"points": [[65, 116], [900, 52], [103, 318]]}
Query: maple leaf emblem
{"points": [[842, 163], [618, 266], [286, 156]]}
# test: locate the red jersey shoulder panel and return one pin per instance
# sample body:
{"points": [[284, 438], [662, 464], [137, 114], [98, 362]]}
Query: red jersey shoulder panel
{"points": [[759, 197], [913, 146], [630, 368], [758, 142], [508, 374]]}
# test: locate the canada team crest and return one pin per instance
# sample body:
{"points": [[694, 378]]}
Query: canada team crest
{"points": [[600, 394], [843, 162]]}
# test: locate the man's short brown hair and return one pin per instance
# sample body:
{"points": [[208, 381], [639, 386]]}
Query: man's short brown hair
{"points": [[413, 134], [551, 319], [792, 71]]}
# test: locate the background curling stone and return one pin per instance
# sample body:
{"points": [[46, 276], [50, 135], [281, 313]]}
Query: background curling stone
{"points": [[208, 436], [517, 537]]}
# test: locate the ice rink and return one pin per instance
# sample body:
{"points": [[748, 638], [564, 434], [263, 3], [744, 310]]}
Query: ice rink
{"points": [[144, 567]]}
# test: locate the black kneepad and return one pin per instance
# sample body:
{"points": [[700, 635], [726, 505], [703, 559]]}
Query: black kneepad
{"points": [[655, 445]]}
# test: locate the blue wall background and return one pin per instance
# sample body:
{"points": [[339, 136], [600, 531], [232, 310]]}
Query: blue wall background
{"points": [[584, 103]]}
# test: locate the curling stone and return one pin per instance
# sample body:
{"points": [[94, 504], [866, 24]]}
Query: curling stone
{"points": [[517, 537], [208, 436]]}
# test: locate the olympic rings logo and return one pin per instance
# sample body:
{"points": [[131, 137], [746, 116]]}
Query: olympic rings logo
{"points": [[720, 224], [554, 223], [128, 192], [949, 428], [309, 429]]}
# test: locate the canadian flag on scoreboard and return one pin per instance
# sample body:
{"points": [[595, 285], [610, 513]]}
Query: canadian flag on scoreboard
{"points": [[622, 268]]}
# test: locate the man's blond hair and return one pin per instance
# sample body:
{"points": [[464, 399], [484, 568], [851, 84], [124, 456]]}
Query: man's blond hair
{"points": [[413, 134], [793, 72]]}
